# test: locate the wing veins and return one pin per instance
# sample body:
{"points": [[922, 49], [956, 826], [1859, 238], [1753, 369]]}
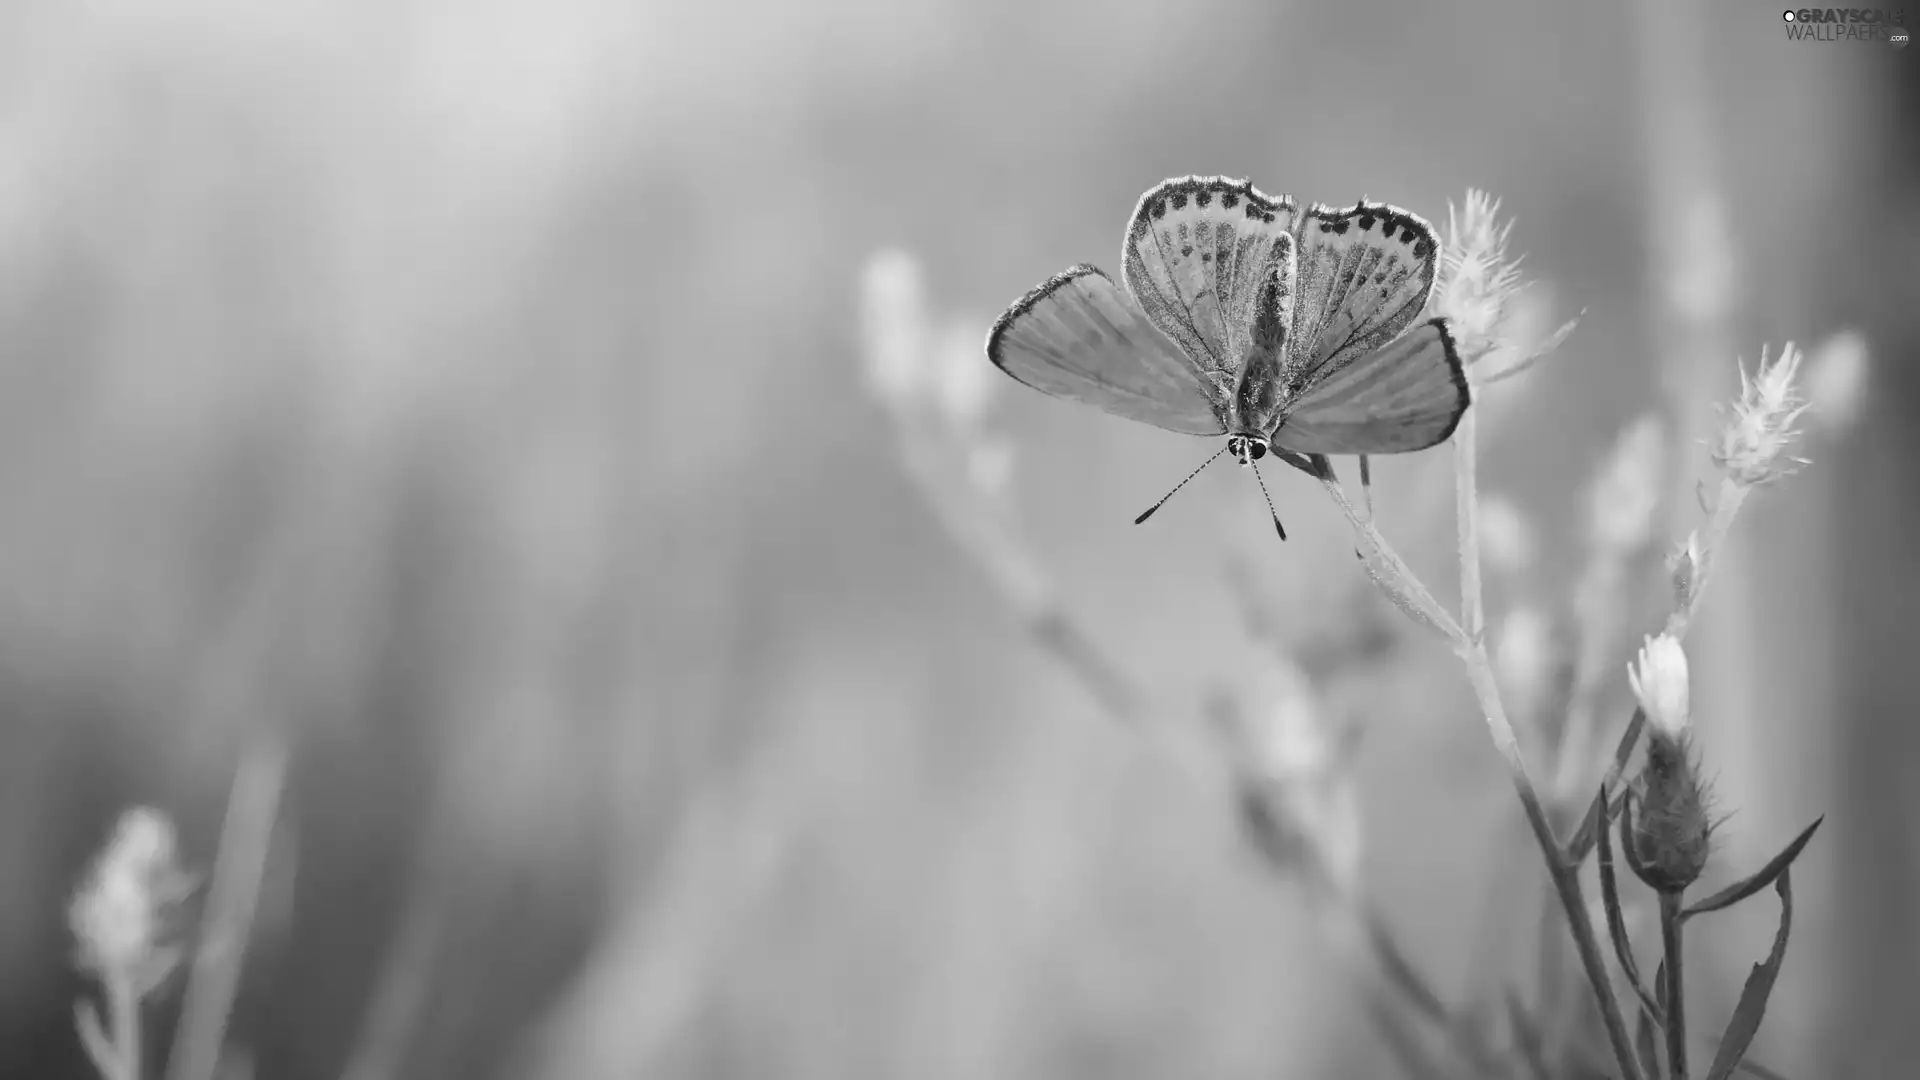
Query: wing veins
{"points": [[1192, 323]]}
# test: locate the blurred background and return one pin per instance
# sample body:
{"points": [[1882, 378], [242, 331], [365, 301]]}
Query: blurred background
{"points": [[469, 398]]}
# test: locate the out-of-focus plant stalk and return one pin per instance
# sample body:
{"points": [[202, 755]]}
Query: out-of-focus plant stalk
{"points": [[1408, 593], [1472, 648]]}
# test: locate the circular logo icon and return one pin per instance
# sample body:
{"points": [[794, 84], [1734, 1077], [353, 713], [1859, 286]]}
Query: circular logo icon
{"points": [[1788, 16], [1898, 35]]}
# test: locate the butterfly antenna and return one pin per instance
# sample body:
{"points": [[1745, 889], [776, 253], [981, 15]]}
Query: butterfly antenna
{"points": [[1277, 527], [1176, 488]]}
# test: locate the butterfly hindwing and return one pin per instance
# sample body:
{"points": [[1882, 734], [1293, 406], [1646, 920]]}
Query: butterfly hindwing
{"points": [[1408, 395], [1198, 250], [1364, 275], [1079, 336]]}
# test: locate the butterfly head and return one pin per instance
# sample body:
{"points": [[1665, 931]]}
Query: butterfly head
{"points": [[1246, 449]]}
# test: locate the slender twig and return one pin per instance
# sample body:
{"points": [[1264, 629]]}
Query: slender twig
{"points": [[1670, 938], [238, 869], [1466, 505], [1726, 506], [1471, 646], [1617, 924], [1415, 598], [123, 1012]]}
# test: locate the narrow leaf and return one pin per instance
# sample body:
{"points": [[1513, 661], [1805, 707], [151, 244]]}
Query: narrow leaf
{"points": [[1617, 926], [1755, 1069], [1582, 841], [1626, 841], [1527, 360], [1647, 1043], [1753, 998], [1740, 890]]}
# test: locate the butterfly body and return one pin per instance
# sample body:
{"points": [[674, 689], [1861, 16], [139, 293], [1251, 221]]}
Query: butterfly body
{"points": [[1245, 316]]}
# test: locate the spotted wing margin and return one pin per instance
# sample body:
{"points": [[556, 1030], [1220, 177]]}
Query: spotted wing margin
{"points": [[1078, 336], [1197, 252], [1364, 275], [1406, 396]]}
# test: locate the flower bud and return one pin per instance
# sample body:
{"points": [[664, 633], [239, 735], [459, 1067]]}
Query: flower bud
{"points": [[1668, 843], [1659, 680]]}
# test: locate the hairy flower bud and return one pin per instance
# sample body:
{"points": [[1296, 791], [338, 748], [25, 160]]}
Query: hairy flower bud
{"points": [[1669, 841]]}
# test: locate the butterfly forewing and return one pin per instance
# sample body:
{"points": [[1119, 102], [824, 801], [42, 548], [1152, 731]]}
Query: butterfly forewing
{"points": [[1364, 275], [1407, 395], [1197, 253], [1080, 337]]}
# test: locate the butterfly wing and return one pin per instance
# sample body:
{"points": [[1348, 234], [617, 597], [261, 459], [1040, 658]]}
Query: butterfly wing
{"points": [[1198, 250], [1080, 337], [1407, 395], [1355, 384], [1363, 275]]}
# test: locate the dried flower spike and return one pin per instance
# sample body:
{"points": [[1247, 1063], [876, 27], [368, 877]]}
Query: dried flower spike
{"points": [[119, 914], [1753, 444], [1477, 279]]}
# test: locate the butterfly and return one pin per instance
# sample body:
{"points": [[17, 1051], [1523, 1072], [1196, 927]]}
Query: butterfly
{"points": [[1245, 316]]}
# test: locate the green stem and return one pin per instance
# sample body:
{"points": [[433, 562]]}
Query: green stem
{"points": [[1670, 932]]}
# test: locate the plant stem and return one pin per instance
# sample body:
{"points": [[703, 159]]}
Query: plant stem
{"points": [[123, 1012], [1473, 653], [1466, 508], [1565, 876], [1726, 506], [1470, 644], [239, 868], [1676, 1001]]}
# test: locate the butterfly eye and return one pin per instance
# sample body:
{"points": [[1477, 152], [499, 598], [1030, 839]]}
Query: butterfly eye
{"points": [[1246, 450]]}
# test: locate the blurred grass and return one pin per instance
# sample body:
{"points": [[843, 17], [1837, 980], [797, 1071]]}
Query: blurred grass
{"points": [[469, 393]]}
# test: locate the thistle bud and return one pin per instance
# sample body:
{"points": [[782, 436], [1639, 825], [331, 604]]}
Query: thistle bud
{"points": [[1668, 844]]}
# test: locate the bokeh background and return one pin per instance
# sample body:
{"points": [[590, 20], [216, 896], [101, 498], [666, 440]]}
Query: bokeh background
{"points": [[469, 397]]}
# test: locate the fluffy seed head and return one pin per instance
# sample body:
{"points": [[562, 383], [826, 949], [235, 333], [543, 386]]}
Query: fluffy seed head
{"points": [[118, 913], [1759, 427], [1477, 280]]}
